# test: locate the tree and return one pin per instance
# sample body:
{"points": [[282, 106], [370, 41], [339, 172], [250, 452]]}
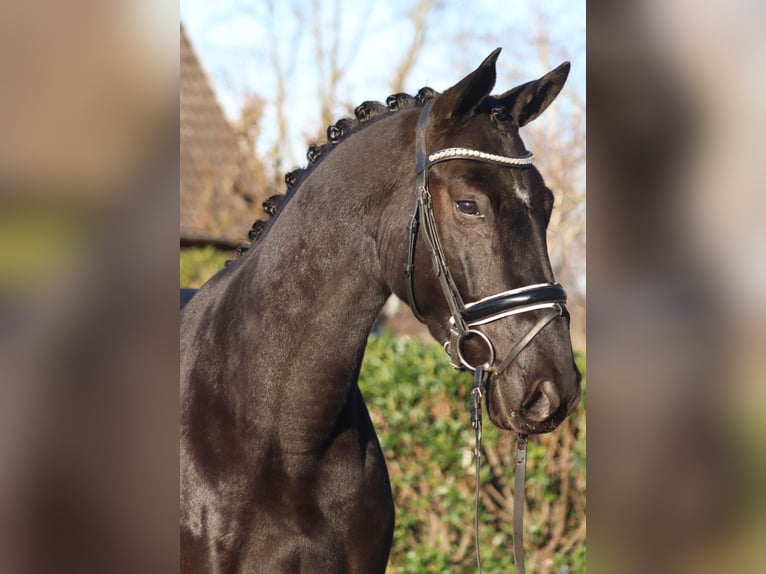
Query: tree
{"points": [[311, 48], [557, 139]]}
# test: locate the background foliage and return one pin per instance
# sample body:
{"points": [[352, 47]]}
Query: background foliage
{"points": [[419, 405], [198, 264]]}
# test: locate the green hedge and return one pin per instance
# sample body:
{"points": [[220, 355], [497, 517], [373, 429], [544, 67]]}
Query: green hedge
{"points": [[419, 406], [198, 264]]}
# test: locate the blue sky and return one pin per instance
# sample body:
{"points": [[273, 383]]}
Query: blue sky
{"points": [[232, 39]]}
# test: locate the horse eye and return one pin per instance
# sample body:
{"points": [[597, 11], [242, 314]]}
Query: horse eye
{"points": [[467, 207]]}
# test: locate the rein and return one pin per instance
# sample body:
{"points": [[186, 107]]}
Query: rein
{"points": [[465, 317]]}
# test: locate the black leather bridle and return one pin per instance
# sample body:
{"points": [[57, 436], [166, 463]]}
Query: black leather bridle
{"points": [[548, 297]]}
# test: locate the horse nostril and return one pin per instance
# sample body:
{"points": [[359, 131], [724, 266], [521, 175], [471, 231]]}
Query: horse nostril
{"points": [[543, 402]]}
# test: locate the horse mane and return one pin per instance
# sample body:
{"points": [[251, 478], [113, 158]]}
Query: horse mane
{"points": [[366, 113]]}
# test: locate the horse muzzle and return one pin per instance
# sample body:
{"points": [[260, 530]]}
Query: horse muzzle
{"points": [[535, 409], [514, 403]]}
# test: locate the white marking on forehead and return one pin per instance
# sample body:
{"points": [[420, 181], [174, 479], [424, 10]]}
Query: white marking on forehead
{"points": [[520, 191]]}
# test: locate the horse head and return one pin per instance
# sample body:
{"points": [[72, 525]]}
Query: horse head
{"points": [[485, 212]]}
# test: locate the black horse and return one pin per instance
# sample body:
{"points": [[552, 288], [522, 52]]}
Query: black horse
{"points": [[281, 470]]}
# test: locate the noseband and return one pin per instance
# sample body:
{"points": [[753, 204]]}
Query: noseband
{"points": [[464, 318]]}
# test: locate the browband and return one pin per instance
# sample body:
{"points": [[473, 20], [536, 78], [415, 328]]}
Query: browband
{"points": [[466, 153]]}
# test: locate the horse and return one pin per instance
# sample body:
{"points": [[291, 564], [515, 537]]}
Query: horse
{"points": [[281, 469]]}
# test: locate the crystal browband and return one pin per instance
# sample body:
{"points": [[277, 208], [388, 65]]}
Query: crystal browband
{"points": [[465, 153]]}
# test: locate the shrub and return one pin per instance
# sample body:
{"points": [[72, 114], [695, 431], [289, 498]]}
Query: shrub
{"points": [[419, 406], [198, 264]]}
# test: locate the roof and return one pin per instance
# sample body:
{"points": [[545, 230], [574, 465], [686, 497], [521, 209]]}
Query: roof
{"points": [[217, 192]]}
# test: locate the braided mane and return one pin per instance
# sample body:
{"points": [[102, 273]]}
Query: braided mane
{"points": [[366, 113]]}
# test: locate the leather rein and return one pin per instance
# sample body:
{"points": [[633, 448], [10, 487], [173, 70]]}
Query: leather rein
{"points": [[464, 318]]}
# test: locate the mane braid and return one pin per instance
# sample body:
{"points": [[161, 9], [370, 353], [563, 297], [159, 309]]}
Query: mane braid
{"points": [[366, 113]]}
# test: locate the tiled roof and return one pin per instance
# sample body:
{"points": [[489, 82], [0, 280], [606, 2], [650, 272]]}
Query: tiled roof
{"points": [[214, 182]]}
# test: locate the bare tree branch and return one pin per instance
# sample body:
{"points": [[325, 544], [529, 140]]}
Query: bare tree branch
{"points": [[419, 16]]}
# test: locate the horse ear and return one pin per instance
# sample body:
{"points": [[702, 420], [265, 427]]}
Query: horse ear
{"points": [[465, 96], [527, 101]]}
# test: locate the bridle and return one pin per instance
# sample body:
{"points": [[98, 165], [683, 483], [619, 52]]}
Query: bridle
{"points": [[464, 318]]}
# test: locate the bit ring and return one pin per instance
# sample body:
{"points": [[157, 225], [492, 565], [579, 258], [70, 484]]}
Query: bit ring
{"points": [[486, 340]]}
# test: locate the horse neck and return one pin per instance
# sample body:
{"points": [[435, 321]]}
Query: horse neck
{"points": [[312, 288]]}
